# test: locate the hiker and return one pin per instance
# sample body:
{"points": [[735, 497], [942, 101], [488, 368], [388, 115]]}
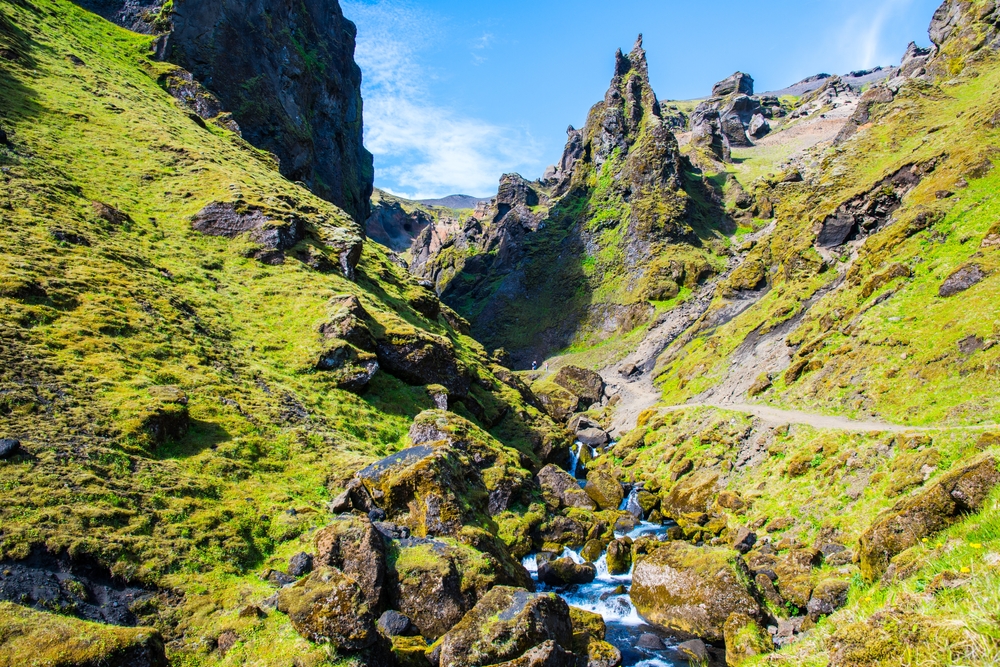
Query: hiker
{"points": [[534, 365]]}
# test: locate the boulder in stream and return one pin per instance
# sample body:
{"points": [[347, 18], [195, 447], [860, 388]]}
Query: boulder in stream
{"points": [[693, 590], [565, 571]]}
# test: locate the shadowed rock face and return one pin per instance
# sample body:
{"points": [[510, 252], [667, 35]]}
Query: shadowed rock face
{"points": [[284, 69]]}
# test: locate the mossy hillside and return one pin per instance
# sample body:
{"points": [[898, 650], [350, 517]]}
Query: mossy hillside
{"points": [[827, 487], [99, 310], [942, 613], [36, 639], [940, 227]]}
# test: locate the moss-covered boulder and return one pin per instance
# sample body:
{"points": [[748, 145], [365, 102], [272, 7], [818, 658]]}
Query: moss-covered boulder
{"points": [[436, 582], [558, 402], [560, 531], [354, 546], [693, 590], [586, 385], [560, 490], [29, 637], [409, 651], [606, 492], [505, 625], [329, 606], [565, 571], [962, 491], [829, 596], [745, 639], [421, 358], [620, 556], [546, 654], [693, 493], [455, 473]]}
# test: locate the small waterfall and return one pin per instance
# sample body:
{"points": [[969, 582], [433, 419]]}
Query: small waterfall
{"points": [[631, 503], [574, 458]]}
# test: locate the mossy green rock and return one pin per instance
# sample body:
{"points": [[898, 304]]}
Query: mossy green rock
{"points": [[604, 490], [586, 385], [693, 590], [592, 550], [329, 606], [505, 625], [565, 571], [558, 402], [560, 490], [620, 556], [436, 582], [353, 545], [745, 639], [32, 637], [546, 654], [693, 493], [961, 491]]}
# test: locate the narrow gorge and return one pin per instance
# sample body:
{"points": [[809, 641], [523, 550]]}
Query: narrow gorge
{"points": [[718, 388]]}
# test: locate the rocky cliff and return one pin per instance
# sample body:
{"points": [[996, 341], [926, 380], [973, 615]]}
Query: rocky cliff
{"points": [[284, 70], [583, 252]]}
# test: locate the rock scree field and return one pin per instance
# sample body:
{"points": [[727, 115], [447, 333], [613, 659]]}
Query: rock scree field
{"points": [[255, 412]]}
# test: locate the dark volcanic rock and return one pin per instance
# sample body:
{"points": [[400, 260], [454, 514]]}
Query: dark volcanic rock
{"points": [[393, 624], [962, 279], [564, 571], [300, 564], [284, 69], [9, 447], [353, 545], [737, 83]]}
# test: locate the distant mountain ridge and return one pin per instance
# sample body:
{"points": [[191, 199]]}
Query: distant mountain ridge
{"points": [[454, 201]]}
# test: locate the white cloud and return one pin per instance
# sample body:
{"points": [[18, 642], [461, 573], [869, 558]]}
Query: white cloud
{"points": [[862, 38], [422, 149]]}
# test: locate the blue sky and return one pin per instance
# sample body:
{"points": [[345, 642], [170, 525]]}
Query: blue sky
{"points": [[458, 93]]}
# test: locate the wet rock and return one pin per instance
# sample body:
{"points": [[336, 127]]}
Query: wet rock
{"points": [[355, 547], [604, 490], [593, 437], [300, 564], [562, 530], [560, 490], [738, 83], [9, 447], [393, 624], [620, 556], [649, 641], [961, 491], [328, 606], [581, 422], [961, 279], [829, 596], [694, 651], [592, 550], [602, 654], [564, 572], [505, 625], [692, 494], [744, 540], [647, 501], [745, 639], [689, 589]]}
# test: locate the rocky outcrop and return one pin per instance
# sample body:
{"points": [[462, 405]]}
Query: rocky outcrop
{"points": [[353, 545], [693, 590], [285, 71], [390, 225], [506, 625], [737, 84], [745, 639], [962, 491], [961, 30]]}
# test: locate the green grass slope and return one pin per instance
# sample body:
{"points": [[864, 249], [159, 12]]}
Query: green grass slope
{"points": [[100, 311]]}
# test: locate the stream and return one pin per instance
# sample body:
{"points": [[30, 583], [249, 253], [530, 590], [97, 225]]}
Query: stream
{"points": [[641, 645]]}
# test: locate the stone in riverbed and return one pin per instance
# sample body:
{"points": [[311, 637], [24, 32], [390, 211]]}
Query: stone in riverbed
{"points": [[564, 571], [505, 625], [604, 490], [620, 556], [560, 490], [693, 590], [593, 437]]}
